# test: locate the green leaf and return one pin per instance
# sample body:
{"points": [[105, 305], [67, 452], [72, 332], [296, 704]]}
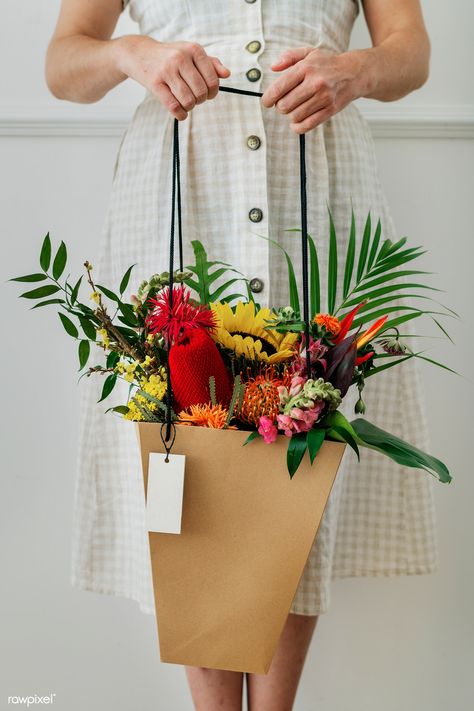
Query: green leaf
{"points": [[314, 280], [218, 292], [293, 286], [252, 436], [346, 436], [45, 255], [315, 440], [84, 352], [375, 245], [47, 303], [350, 257], [69, 327], [108, 386], [75, 290], [108, 293], [59, 261], [386, 290], [125, 279], [397, 449], [130, 318], [121, 409], [379, 368], [296, 448], [88, 328], [332, 265], [30, 277], [112, 359], [364, 247], [41, 292], [388, 277]]}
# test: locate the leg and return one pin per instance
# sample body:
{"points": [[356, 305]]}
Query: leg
{"points": [[276, 690], [215, 689]]}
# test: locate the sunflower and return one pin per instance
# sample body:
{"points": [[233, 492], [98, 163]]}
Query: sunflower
{"points": [[244, 332]]}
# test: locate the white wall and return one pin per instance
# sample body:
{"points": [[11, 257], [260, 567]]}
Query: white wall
{"points": [[399, 643]]}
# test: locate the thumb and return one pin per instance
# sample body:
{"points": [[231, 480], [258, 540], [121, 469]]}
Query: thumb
{"points": [[290, 57], [222, 71]]}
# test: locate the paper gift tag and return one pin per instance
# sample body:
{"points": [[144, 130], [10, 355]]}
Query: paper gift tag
{"points": [[164, 503]]}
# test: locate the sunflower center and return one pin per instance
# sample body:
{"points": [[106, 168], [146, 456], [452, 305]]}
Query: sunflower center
{"points": [[268, 347]]}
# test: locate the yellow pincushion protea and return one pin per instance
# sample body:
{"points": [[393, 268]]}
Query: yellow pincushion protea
{"points": [[245, 333]]}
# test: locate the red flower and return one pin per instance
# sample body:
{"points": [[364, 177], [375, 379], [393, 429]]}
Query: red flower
{"points": [[181, 317]]}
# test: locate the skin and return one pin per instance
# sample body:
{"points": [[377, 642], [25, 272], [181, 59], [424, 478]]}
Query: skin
{"points": [[83, 64]]}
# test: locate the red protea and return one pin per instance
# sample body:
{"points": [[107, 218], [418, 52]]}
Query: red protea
{"points": [[193, 355]]}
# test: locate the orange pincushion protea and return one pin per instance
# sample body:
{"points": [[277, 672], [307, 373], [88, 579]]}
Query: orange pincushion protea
{"points": [[212, 416], [330, 323], [261, 396]]}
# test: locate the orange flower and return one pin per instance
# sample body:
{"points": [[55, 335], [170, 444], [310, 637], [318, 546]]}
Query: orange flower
{"points": [[330, 323], [261, 396], [213, 416], [370, 332]]}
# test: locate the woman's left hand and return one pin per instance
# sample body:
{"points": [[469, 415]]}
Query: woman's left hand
{"points": [[317, 85]]}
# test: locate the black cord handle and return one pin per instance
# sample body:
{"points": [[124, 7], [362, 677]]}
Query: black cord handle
{"points": [[176, 209]]}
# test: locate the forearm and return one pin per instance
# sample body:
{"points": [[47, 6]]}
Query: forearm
{"points": [[83, 69], [394, 68]]}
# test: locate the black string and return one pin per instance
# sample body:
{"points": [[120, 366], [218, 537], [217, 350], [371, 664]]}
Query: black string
{"points": [[176, 209]]}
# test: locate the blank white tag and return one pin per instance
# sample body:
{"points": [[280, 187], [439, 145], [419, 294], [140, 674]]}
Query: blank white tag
{"points": [[164, 502]]}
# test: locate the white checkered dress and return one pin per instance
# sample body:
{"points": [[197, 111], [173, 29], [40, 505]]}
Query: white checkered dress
{"points": [[380, 519]]}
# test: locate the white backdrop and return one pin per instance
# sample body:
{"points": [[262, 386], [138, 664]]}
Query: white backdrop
{"points": [[385, 643]]}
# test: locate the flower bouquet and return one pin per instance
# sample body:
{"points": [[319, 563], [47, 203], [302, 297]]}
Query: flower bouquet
{"points": [[202, 358], [233, 364]]}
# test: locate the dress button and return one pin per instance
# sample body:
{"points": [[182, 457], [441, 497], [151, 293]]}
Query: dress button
{"points": [[253, 74], [255, 214], [256, 285], [253, 46], [253, 142], [250, 2]]}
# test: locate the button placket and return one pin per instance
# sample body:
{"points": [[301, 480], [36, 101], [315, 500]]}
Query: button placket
{"points": [[256, 250]]}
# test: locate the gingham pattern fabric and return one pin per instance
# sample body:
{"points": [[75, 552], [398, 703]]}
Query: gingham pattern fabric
{"points": [[380, 518]]}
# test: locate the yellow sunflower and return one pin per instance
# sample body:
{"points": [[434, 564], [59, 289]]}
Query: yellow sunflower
{"points": [[244, 332]]}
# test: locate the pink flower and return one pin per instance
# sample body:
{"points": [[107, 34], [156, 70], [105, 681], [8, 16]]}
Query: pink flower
{"points": [[267, 429]]}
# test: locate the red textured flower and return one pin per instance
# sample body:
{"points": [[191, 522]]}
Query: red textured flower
{"points": [[181, 317]]}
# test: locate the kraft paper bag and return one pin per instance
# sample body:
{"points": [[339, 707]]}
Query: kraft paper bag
{"points": [[223, 587]]}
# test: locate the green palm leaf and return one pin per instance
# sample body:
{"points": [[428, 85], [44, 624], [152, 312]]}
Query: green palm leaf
{"points": [[332, 265]]}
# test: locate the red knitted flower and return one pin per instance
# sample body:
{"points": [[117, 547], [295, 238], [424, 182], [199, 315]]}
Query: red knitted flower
{"points": [[193, 359], [193, 355]]}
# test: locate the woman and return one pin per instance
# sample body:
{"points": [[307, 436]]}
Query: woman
{"points": [[240, 180]]}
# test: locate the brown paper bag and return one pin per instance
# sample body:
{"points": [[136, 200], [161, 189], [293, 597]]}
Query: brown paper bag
{"points": [[224, 586]]}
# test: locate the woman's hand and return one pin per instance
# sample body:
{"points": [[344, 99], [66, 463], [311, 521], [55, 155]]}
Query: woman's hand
{"points": [[179, 74], [317, 84]]}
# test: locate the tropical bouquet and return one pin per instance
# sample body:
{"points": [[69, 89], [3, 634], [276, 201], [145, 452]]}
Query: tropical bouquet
{"points": [[234, 364]]}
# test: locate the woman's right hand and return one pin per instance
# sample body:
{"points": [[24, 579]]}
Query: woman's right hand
{"points": [[179, 74]]}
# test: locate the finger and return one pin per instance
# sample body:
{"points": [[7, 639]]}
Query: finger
{"points": [[193, 78], [170, 102], [311, 122], [182, 92], [208, 73], [290, 57], [221, 70], [315, 103], [282, 86], [297, 96]]}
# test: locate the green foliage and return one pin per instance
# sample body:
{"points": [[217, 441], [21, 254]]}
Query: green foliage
{"points": [[297, 445], [83, 352], [205, 278], [369, 435]]}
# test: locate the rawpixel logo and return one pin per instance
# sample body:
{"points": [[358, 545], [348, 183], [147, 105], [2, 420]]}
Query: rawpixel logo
{"points": [[31, 700]]}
